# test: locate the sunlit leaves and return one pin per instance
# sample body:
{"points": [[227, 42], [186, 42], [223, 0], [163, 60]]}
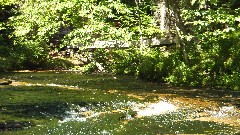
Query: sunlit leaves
{"points": [[7, 2], [203, 3], [193, 1], [213, 41]]}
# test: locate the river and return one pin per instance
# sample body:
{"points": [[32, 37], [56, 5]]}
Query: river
{"points": [[70, 103]]}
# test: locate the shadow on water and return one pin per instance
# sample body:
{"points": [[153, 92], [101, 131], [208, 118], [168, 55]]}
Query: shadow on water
{"points": [[38, 111], [71, 103], [124, 83]]}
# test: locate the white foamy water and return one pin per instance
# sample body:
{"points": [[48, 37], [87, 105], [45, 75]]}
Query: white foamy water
{"points": [[224, 111], [156, 109], [81, 114]]}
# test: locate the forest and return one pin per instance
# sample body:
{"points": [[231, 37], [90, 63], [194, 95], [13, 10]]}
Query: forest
{"points": [[203, 35]]}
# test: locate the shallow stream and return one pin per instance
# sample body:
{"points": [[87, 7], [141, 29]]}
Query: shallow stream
{"points": [[68, 103]]}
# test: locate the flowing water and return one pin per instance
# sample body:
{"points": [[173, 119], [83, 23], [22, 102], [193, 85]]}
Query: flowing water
{"points": [[71, 104]]}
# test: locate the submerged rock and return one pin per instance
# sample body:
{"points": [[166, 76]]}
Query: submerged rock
{"points": [[13, 125], [2, 125], [5, 82]]}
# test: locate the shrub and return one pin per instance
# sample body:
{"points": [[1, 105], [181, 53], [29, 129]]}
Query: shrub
{"points": [[155, 65], [125, 61]]}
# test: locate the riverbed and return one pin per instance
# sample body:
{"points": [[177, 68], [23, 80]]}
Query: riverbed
{"points": [[64, 102]]}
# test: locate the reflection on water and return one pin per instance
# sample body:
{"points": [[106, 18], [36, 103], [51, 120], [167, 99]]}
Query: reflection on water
{"points": [[156, 109], [76, 113], [224, 115], [159, 118], [104, 105], [225, 111], [81, 114]]}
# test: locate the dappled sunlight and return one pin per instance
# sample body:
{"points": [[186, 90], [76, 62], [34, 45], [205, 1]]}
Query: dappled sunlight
{"points": [[78, 113], [39, 84], [224, 114], [69, 103], [205, 109], [81, 114]]}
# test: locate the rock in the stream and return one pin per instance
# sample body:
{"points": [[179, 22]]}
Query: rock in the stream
{"points": [[14, 125], [5, 82], [2, 125]]}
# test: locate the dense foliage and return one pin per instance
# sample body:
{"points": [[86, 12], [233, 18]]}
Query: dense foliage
{"points": [[207, 51]]}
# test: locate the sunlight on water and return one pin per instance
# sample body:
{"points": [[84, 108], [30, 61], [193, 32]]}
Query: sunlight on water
{"points": [[117, 117], [156, 109], [224, 111], [94, 107], [81, 114], [78, 113]]}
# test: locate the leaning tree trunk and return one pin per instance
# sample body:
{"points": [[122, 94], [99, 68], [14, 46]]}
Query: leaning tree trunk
{"points": [[171, 15], [174, 5]]}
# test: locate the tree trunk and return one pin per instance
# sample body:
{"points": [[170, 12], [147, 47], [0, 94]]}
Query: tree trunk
{"points": [[173, 7], [140, 26]]}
